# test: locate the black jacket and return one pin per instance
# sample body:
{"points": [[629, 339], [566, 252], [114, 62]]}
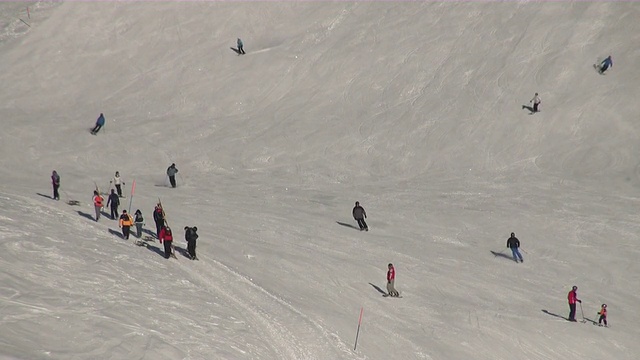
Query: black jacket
{"points": [[158, 216], [114, 200], [359, 213], [513, 243], [190, 235]]}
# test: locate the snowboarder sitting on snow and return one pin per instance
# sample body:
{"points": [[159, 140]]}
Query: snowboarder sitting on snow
{"points": [[167, 238], [114, 201], [391, 279], [513, 243], [359, 215], [573, 298], [605, 64], [125, 224], [99, 124], [191, 236], [240, 47], [171, 173], [603, 315]]}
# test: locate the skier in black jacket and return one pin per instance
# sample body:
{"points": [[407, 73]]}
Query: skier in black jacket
{"points": [[158, 217], [191, 236], [359, 215], [513, 243], [114, 201]]}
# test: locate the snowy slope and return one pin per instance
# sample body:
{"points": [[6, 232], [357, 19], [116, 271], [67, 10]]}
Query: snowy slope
{"points": [[414, 109]]}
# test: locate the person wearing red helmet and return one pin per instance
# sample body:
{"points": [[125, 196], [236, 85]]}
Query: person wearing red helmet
{"points": [[573, 298]]}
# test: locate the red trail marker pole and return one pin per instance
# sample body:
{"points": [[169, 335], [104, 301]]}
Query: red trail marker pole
{"points": [[358, 332]]}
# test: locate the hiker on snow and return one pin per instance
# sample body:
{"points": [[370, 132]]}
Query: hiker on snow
{"points": [[605, 64], [191, 236], [573, 298], [97, 203], [55, 181], [603, 315], [139, 221], [536, 102], [171, 173], [391, 279], [158, 218], [359, 215], [125, 224], [114, 201], [513, 243], [167, 238], [99, 124], [117, 182], [240, 47]]}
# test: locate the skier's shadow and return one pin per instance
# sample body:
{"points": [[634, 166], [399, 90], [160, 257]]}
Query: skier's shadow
{"points": [[155, 249], [347, 225], [236, 50], [499, 254], [556, 315], [183, 251], [530, 108], [591, 321], [116, 233], [43, 195], [85, 215], [378, 288]]}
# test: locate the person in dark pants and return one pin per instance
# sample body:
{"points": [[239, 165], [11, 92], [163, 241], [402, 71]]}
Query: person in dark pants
{"points": [[603, 315], [158, 217], [114, 201], [99, 124], [240, 47], [171, 173], [139, 221], [55, 181], [606, 63], [125, 224], [191, 236], [359, 215], [513, 243], [573, 298], [167, 238]]}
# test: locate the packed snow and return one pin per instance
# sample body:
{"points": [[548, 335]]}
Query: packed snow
{"points": [[415, 109]]}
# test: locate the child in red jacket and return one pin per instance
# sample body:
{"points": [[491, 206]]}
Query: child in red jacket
{"points": [[167, 238], [603, 315]]}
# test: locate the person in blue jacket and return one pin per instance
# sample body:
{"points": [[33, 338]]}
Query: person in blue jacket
{"points": [[240, 47], [605, 64], [99, 124]]}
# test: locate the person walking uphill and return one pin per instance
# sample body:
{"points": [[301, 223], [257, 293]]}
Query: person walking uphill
{"points": [[55, 181], [158, 218], [605, 64], [117, 181], [359, 215], [240, 47], [167, 237], [97, 203], [113, 201], [125, 224], [191, 236], [171, 173], [139, 221], [99, 124], [572, 297], [391, 279], [513, 243]]}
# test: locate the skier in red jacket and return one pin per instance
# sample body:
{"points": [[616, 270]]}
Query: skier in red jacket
{"points": [[573, 298], [167, 238], [391, 279]]}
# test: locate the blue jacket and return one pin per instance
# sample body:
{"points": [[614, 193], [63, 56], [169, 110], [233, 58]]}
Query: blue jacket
{"points": [[607, 62], [100, 120], [240, 43]]}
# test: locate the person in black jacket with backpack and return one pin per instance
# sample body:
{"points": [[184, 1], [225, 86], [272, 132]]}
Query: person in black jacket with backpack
{"points": [[513, 243], [191, 236], [113, 201]]}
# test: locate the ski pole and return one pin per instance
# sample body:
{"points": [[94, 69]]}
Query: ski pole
{"points": [[582, 312], [358, 331]]}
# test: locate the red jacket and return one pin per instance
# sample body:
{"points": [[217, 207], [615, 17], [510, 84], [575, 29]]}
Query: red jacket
{"points": [[165, 235], [391, 274], [572, 297]]}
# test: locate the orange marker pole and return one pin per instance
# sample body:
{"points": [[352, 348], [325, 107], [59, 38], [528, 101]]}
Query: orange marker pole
{"points": [[358, 332]]}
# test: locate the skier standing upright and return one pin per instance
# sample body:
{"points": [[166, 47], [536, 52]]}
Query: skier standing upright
{"points": [[97, 203], [605, 64], [167, 237], [117, 181], [139, 221], [240, 47], [99, 124], [171, 173], [158, 218], [125, 224], [55, 181], [603, 315], [513, 243], [572, 297], [113, 202], [359, 215], [536, 102], [190, 235], [391, 279]]}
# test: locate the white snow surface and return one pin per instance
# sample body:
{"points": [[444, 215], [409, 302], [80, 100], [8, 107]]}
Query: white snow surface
{"points": [[412, 108]]}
